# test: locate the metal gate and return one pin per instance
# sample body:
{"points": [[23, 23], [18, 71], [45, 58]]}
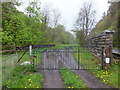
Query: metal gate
{"points": [[71, 57]]}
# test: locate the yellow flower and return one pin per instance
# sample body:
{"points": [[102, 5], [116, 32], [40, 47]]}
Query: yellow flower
{"points": [[30, 74], [30, 84], [103, 80], [33, 85], [37, 87], [68, 87], [76, 76], [25, 87], [72, 87], [106, 75], [29, 79]]}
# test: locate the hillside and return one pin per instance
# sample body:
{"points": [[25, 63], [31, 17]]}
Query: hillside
{"points": [[110, 21]]}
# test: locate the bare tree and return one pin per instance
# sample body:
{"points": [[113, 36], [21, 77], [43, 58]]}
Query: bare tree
{"points": [[85, 20], [46, 14], [56, 17], [51, 15]]}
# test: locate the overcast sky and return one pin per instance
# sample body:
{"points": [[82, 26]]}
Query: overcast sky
{"points": [[69, 9]]}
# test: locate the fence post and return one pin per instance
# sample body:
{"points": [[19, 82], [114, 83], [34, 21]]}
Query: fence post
{"points": [[30, 49], [78, 58], [107, 57], [102, 58]]}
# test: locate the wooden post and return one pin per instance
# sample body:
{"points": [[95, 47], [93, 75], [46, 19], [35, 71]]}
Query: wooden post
{"points": [[107, 57], [102, 64]]}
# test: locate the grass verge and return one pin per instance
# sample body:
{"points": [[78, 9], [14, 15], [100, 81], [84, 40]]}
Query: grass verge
{"points": [[25, 76], [109, 77], [71, 80]]}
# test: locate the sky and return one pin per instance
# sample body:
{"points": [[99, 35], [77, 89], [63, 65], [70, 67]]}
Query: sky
{"points": [[69, 9]]}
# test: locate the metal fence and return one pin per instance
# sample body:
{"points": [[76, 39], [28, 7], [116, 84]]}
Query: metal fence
{"points": [[72, 57], [7, 64]]}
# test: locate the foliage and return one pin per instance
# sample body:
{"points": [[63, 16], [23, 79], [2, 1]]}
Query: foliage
{"points": [[110, 22], [19, 80], [80, 37], [20, 29], [59, 35], [30, 68], [71, 79]]}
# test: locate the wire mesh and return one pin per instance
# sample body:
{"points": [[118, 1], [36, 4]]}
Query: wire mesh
{"points": [[7, 65]]}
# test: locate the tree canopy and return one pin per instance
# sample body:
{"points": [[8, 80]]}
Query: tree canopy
{"points": [[19, 28]]}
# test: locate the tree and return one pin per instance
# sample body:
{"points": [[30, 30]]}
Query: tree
{"points": [[59, 35], [11, 24], [56, 17], [52, 16], [80, 37], [85, 20], [37, 22]]}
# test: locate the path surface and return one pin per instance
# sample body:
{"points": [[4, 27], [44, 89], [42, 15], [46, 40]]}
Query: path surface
{"points": [[55, 60], [52, 79]]}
